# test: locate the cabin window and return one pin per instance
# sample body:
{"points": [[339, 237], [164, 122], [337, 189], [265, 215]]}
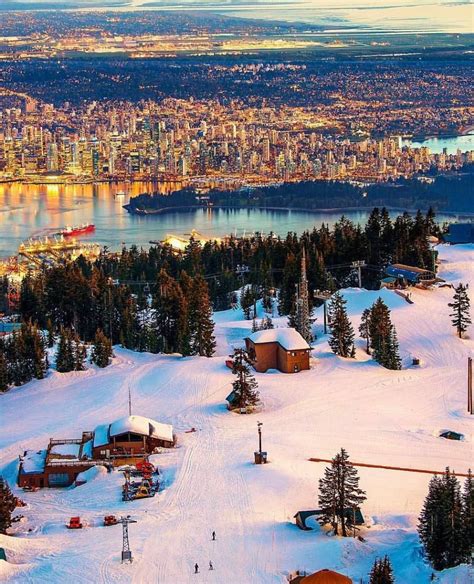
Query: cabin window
{"points": [[293, 354], [58, 479], [129, 437]]}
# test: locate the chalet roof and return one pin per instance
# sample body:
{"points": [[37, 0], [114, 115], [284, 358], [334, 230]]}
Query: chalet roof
{"points": [[410, 273], [289, 338], [143, 426], [65, 450], [34, 461], [101, 435], [326, 577], [407, 268]]}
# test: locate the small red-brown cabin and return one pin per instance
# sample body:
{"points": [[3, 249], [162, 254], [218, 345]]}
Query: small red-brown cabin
{"points": [[280, 348]]}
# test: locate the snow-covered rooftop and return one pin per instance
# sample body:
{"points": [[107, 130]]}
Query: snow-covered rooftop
{"points": [[142, 425], [71, 450], [34, 461], [289, 338], [87, 449], [101, 435]]}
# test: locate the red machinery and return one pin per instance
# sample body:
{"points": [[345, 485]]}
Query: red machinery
{"points": [[74, 523], [110, 520], [145, 467]]}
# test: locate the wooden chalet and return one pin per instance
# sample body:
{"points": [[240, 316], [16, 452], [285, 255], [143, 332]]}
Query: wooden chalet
{"points": [[280, 348], [126, 440], [131, 436], [58, 465]]}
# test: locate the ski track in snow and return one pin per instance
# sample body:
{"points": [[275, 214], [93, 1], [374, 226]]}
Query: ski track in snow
{"points": [[209, 482]]}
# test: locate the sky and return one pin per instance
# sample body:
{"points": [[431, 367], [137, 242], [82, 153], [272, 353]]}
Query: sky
{"points": [[412, 15]]}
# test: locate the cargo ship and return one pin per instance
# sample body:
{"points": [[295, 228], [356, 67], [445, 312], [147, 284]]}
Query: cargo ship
{"points": [[77, 230]]}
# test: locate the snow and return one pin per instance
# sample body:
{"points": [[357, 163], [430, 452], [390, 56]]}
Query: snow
{"points": [[34, 461], [87, 449], [65, 450], [208, 482], [90, 474], [101, 435], [143, 426], [288, 338]]}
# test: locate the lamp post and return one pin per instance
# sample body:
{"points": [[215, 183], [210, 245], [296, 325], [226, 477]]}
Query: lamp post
{"points": [[323, 295], [260, 456]]}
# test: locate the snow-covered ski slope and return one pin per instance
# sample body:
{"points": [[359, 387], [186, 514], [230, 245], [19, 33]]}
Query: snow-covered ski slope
{"points": [[379, 416]]}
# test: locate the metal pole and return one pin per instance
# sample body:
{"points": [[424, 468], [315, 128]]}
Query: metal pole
{"points": [[325, 319], [469, 386], [259, 424]]}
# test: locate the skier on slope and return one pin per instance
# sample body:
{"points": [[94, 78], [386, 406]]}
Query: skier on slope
{"points": [[213, 536], [196, 568]]}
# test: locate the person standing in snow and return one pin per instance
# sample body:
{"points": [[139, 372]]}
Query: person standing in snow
{"points": [[211, 567], [196, 568], [213, 536]]}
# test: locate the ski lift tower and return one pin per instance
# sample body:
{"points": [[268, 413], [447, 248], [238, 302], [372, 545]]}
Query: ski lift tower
{"points": [[126, 551], [323, 295], [359, 264]]}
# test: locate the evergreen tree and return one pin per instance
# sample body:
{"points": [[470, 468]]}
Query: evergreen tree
{"points": [[293, 313], [266, 323], [303, 318], [441, 523], [130, 326], [71, 353], [286, 297], [50, 333], [4, 376], [201, 326], [245, 384], [171, 310], [7, 505], [468, 513], [25, 354], [461, 309], [38, 352], [64, 353], [383, 337], [339, 493], [80, 353], [247, 300], [102, 353], [341, 339], [382, 572], [364, 328], [30, 305]]}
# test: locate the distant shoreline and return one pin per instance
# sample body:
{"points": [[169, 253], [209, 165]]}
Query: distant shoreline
{"points": [[342, 210]]}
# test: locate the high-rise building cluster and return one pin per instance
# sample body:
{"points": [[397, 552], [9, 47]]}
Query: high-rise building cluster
{"points": [[190, 139]]}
